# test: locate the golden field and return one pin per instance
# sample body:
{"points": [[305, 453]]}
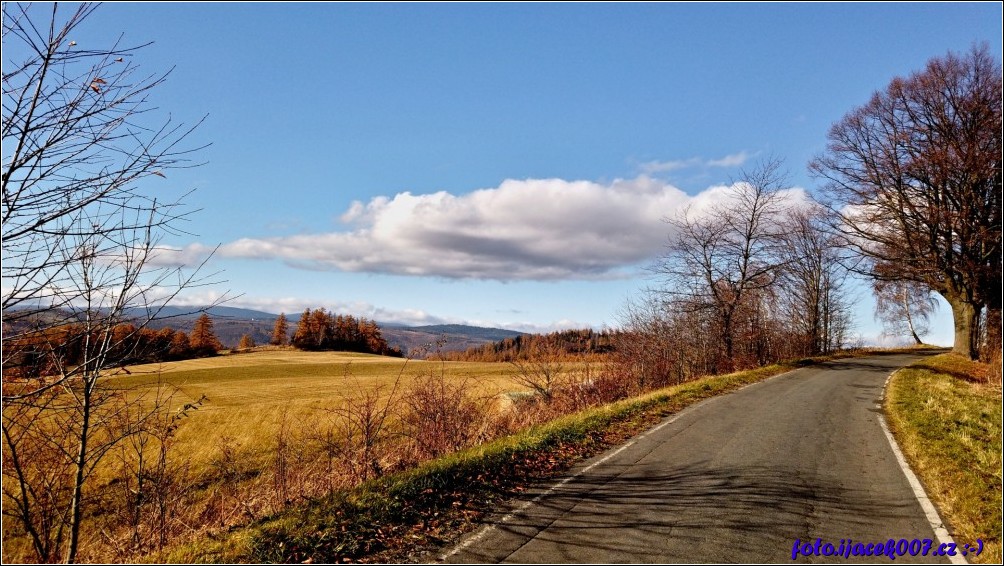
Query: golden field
{"points": [[247, 395]]}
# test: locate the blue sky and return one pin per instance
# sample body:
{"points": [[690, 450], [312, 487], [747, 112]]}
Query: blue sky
{"points": [[498, 164]]}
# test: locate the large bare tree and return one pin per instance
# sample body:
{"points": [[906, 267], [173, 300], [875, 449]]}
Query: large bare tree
{"points": [[82, 256], [916, 174]]}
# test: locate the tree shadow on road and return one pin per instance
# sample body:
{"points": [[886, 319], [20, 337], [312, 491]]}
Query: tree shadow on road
{"points": [[696, 512]]}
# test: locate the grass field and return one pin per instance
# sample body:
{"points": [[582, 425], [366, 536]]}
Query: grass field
{"points": [[947, 419], [248, 394]]}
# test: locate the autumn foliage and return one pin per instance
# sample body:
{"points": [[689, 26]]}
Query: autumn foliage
{"points": [[320, 330], [203, 340], [280, 331], [43, 352]]}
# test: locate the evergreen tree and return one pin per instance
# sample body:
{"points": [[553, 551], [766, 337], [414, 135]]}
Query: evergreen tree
{"points": [[323, 330], [320, 330]]}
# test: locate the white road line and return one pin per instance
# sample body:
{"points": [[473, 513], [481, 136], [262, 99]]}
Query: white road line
{"points": [[488, 528], [918, 490]]}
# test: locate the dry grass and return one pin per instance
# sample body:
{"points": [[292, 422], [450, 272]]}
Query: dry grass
{"points": [[248, 394], [946, 414]]}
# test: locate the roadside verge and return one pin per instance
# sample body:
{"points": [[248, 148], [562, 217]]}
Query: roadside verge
{"points": [[946, 419]]}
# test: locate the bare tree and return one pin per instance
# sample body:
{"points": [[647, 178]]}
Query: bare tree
{"points": [[150, 481], [82, 255], [904, 307], [917, 172], [813, 297], [720, 260], [663, 342]]}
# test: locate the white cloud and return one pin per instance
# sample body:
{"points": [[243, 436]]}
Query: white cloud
{"points": [[653, 167], [534, 229], [192, 255], [535, 328], [732, 160]]}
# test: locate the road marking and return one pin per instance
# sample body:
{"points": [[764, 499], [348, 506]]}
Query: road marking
{"points": [[488, 528], [918, 489]]}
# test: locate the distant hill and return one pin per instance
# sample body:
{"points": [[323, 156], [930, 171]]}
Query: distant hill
{"points": [[214, 312], [477, 332], [443, 337], [231, 323]]}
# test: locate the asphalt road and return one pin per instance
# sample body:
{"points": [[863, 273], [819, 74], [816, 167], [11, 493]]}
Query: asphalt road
{"points": [[736, 478]]}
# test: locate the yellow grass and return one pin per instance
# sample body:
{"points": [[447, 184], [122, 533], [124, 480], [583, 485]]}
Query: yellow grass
{"points": [[947, 418], [248, 394]]}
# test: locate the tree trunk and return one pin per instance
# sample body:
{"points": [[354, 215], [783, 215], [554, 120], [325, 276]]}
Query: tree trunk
{"points": [[993, 344], [80, 464], [966, 315], [909, 318]]}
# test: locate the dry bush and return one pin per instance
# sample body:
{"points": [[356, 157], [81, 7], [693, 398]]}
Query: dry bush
{"points": [[541, 369], [37, 482], [139, 494], [233, 492], [300, 465], [515, 411], [43, 466], [994, 374], [145, 504], [324, 442], [591, 386], [358, 431], [440, 417]]}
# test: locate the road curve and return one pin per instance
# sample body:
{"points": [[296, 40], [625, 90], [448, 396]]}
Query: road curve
{"points": [[736, 478]]}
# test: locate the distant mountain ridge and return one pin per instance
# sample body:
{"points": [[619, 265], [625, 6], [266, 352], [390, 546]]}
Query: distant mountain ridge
{"points": [[489, 334], [214, 312], [230, 323]]}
